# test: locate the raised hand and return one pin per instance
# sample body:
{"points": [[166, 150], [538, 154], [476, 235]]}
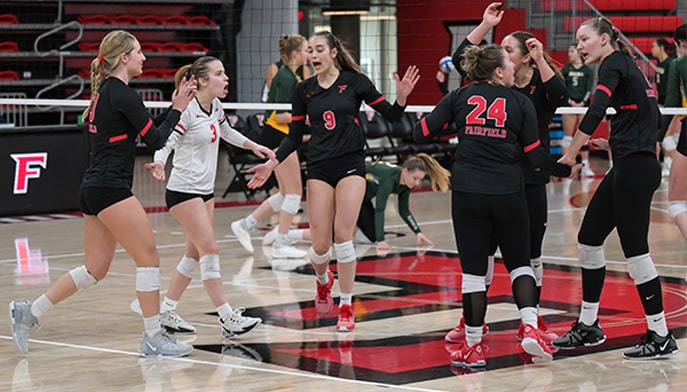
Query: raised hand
{"points": [[493, 14], [536, 48], [406, 85], [183, 96]]}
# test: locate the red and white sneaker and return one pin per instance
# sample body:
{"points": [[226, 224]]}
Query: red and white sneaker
{"points": [[533, 344], [323, 301], [457, 334], [346, 322], [469, 356], [546, 335]]}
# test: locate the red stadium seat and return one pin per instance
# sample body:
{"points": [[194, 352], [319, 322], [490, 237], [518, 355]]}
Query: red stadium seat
{"points": [[124, 19], [9, 75], [93, 19], [150, 20], [8, 19], [194, 47], [9, 46], [200, 20], [174, 20], [89, 46]]}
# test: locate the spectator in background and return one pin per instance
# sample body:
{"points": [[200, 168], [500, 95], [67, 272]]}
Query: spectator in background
{"points": [[663, 52], [579, 81]]}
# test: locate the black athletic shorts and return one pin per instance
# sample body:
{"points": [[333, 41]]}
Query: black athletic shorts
{"points": [[94, 199], [173, 198], [334, 170]]}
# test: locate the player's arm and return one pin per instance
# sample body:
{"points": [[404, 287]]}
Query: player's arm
{"points": [[436, 121], [535, 153]]}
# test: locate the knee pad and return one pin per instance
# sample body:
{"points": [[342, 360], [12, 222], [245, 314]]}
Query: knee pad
{"points": [[566, 141], [669, 143], [677, 207], [187, 266], [82, 278], [525, 270], [147, 279], [209, 267], [641, 269], [538, 269], [276, 201], [473, 284], [591, 257], [319, 259], [291, 204], [490, 271], [345, 252]]}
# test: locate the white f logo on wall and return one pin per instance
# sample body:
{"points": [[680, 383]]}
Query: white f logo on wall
{"points": [[28, 167]]}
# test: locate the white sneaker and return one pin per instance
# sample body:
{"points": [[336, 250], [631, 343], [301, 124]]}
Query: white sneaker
{"points": [[242, 234], [173, 323], [237, 325], [22, 320], [587, 172], [360, 238], [271, 236], [163, 345], [287, 252]]}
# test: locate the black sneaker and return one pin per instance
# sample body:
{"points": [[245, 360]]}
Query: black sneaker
{"points": [[653, 346], [580, 335]]}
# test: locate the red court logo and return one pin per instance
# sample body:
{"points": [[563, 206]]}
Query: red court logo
{"points": [[28, 167]]}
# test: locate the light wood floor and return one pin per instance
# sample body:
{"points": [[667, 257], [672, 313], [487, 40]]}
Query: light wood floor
{"points": [[89, 342]]}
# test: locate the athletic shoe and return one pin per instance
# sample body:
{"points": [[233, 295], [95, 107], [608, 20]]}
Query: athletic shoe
{"points": [[173, 323], [163, 345], [323, 300], [22, 320], [533, 344], [240, 351], [270, 236], [469, 356], [346, 322], [242, 234], [543, 328], [287, 252], [581, 335], [457, 334], [587, 172], [653, 346], [237, 325]]}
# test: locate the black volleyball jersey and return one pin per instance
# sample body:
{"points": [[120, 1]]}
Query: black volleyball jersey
{"points": [[115, 119], [625, 88], [494, 124], [546, 97], [333, 112]]}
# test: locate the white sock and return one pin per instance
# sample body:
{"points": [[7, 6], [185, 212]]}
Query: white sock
{"points": [[249, 222], [168, 305], [589, 313], [528, 315], [296, 234], [473, 335], [657, 323], [224, 311], [324, 278], [151, 325], [282, 240], [345, 299], [40, 306]]}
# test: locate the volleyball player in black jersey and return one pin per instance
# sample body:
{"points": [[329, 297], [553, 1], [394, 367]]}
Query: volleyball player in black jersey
{"points": [[495, 123], [112, 214], [537, 77], [336, 159], [623, 198]]}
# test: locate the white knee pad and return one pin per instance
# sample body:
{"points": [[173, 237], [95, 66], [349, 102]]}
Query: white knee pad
{"points": [[538, 269], [669, 143], [209, 267], [188, 267], [147, 279], [591, 257], [276, 201], [345, 252], [473, 284], [566, 141], [525, 270], [490, 271], [677, 207], [82, 278], [319, 259], [291, 204], [641, 268]]}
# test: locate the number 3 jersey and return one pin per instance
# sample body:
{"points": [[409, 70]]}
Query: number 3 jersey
{"points": [[334, 126], [195, 142], [494, 122]]}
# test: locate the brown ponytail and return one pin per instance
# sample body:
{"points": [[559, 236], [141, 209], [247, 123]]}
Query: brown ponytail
{"points": [[287, 45], [438, 175]]}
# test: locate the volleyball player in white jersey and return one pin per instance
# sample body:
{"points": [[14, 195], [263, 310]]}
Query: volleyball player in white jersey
{"points": [[190, 197]]}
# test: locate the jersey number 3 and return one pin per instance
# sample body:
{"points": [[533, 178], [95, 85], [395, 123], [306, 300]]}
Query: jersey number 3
{"points": [[496, 111]]}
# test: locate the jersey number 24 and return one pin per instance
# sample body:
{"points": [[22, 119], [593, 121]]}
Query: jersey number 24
{"points": [[496, 111]]}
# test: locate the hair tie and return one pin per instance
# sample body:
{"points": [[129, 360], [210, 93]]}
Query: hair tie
{"points": [[100, 58]]}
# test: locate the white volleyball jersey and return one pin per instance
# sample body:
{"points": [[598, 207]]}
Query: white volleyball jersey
{"points": [[195, 142]]}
